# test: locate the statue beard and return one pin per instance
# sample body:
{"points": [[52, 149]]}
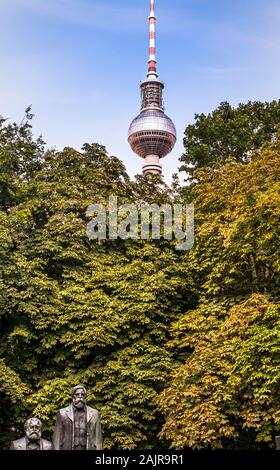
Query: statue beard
{"points": [[33, 435], [79, 404]]}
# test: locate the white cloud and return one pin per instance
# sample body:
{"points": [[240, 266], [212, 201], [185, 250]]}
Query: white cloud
{"points": [[91, 13], [111, 16], [219, 70]]}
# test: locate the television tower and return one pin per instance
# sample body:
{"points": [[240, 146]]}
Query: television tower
{"points": [[152, 134]]}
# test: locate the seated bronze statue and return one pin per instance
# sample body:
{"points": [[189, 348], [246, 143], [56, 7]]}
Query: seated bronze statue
{"points": [[32, 439]]}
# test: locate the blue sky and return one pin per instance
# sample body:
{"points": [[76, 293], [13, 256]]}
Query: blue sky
{"points": [[79, 63]]}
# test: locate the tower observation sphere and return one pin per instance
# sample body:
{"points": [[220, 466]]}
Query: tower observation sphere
{"points": [[152, 134]]}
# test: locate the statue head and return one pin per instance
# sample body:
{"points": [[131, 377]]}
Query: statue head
{"points": [[79, 397], [33, 429]]}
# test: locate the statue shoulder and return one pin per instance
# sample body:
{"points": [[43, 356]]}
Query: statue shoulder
{"points": [[92, 414], [64, 411], [19, 444], [47, 445], [92, 410]]}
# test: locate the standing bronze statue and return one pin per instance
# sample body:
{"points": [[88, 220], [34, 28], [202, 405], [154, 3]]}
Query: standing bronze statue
{"points": [[78, 426], [32, 439]]}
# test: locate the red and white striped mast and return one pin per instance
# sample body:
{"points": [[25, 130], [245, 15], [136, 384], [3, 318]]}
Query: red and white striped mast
{"points": [[152, 33]]}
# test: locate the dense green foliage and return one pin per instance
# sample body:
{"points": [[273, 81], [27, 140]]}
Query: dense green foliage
{"points": [[229, 132], [175, 348], [226, 393], [81, 311]]}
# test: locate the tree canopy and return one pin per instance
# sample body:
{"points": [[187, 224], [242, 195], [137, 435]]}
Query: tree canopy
{"points": [[226, 392], [175, 348], [81, 311], [229, 132]]}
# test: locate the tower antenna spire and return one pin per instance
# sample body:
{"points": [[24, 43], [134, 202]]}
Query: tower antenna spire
{"points": [[152, 45]]}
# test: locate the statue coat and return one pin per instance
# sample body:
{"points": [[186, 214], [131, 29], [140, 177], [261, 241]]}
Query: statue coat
{"points": [[63, 438]]}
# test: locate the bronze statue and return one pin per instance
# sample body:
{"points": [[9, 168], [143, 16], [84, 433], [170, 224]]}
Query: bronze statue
{"points": [[32, 439], [78, 426]]}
